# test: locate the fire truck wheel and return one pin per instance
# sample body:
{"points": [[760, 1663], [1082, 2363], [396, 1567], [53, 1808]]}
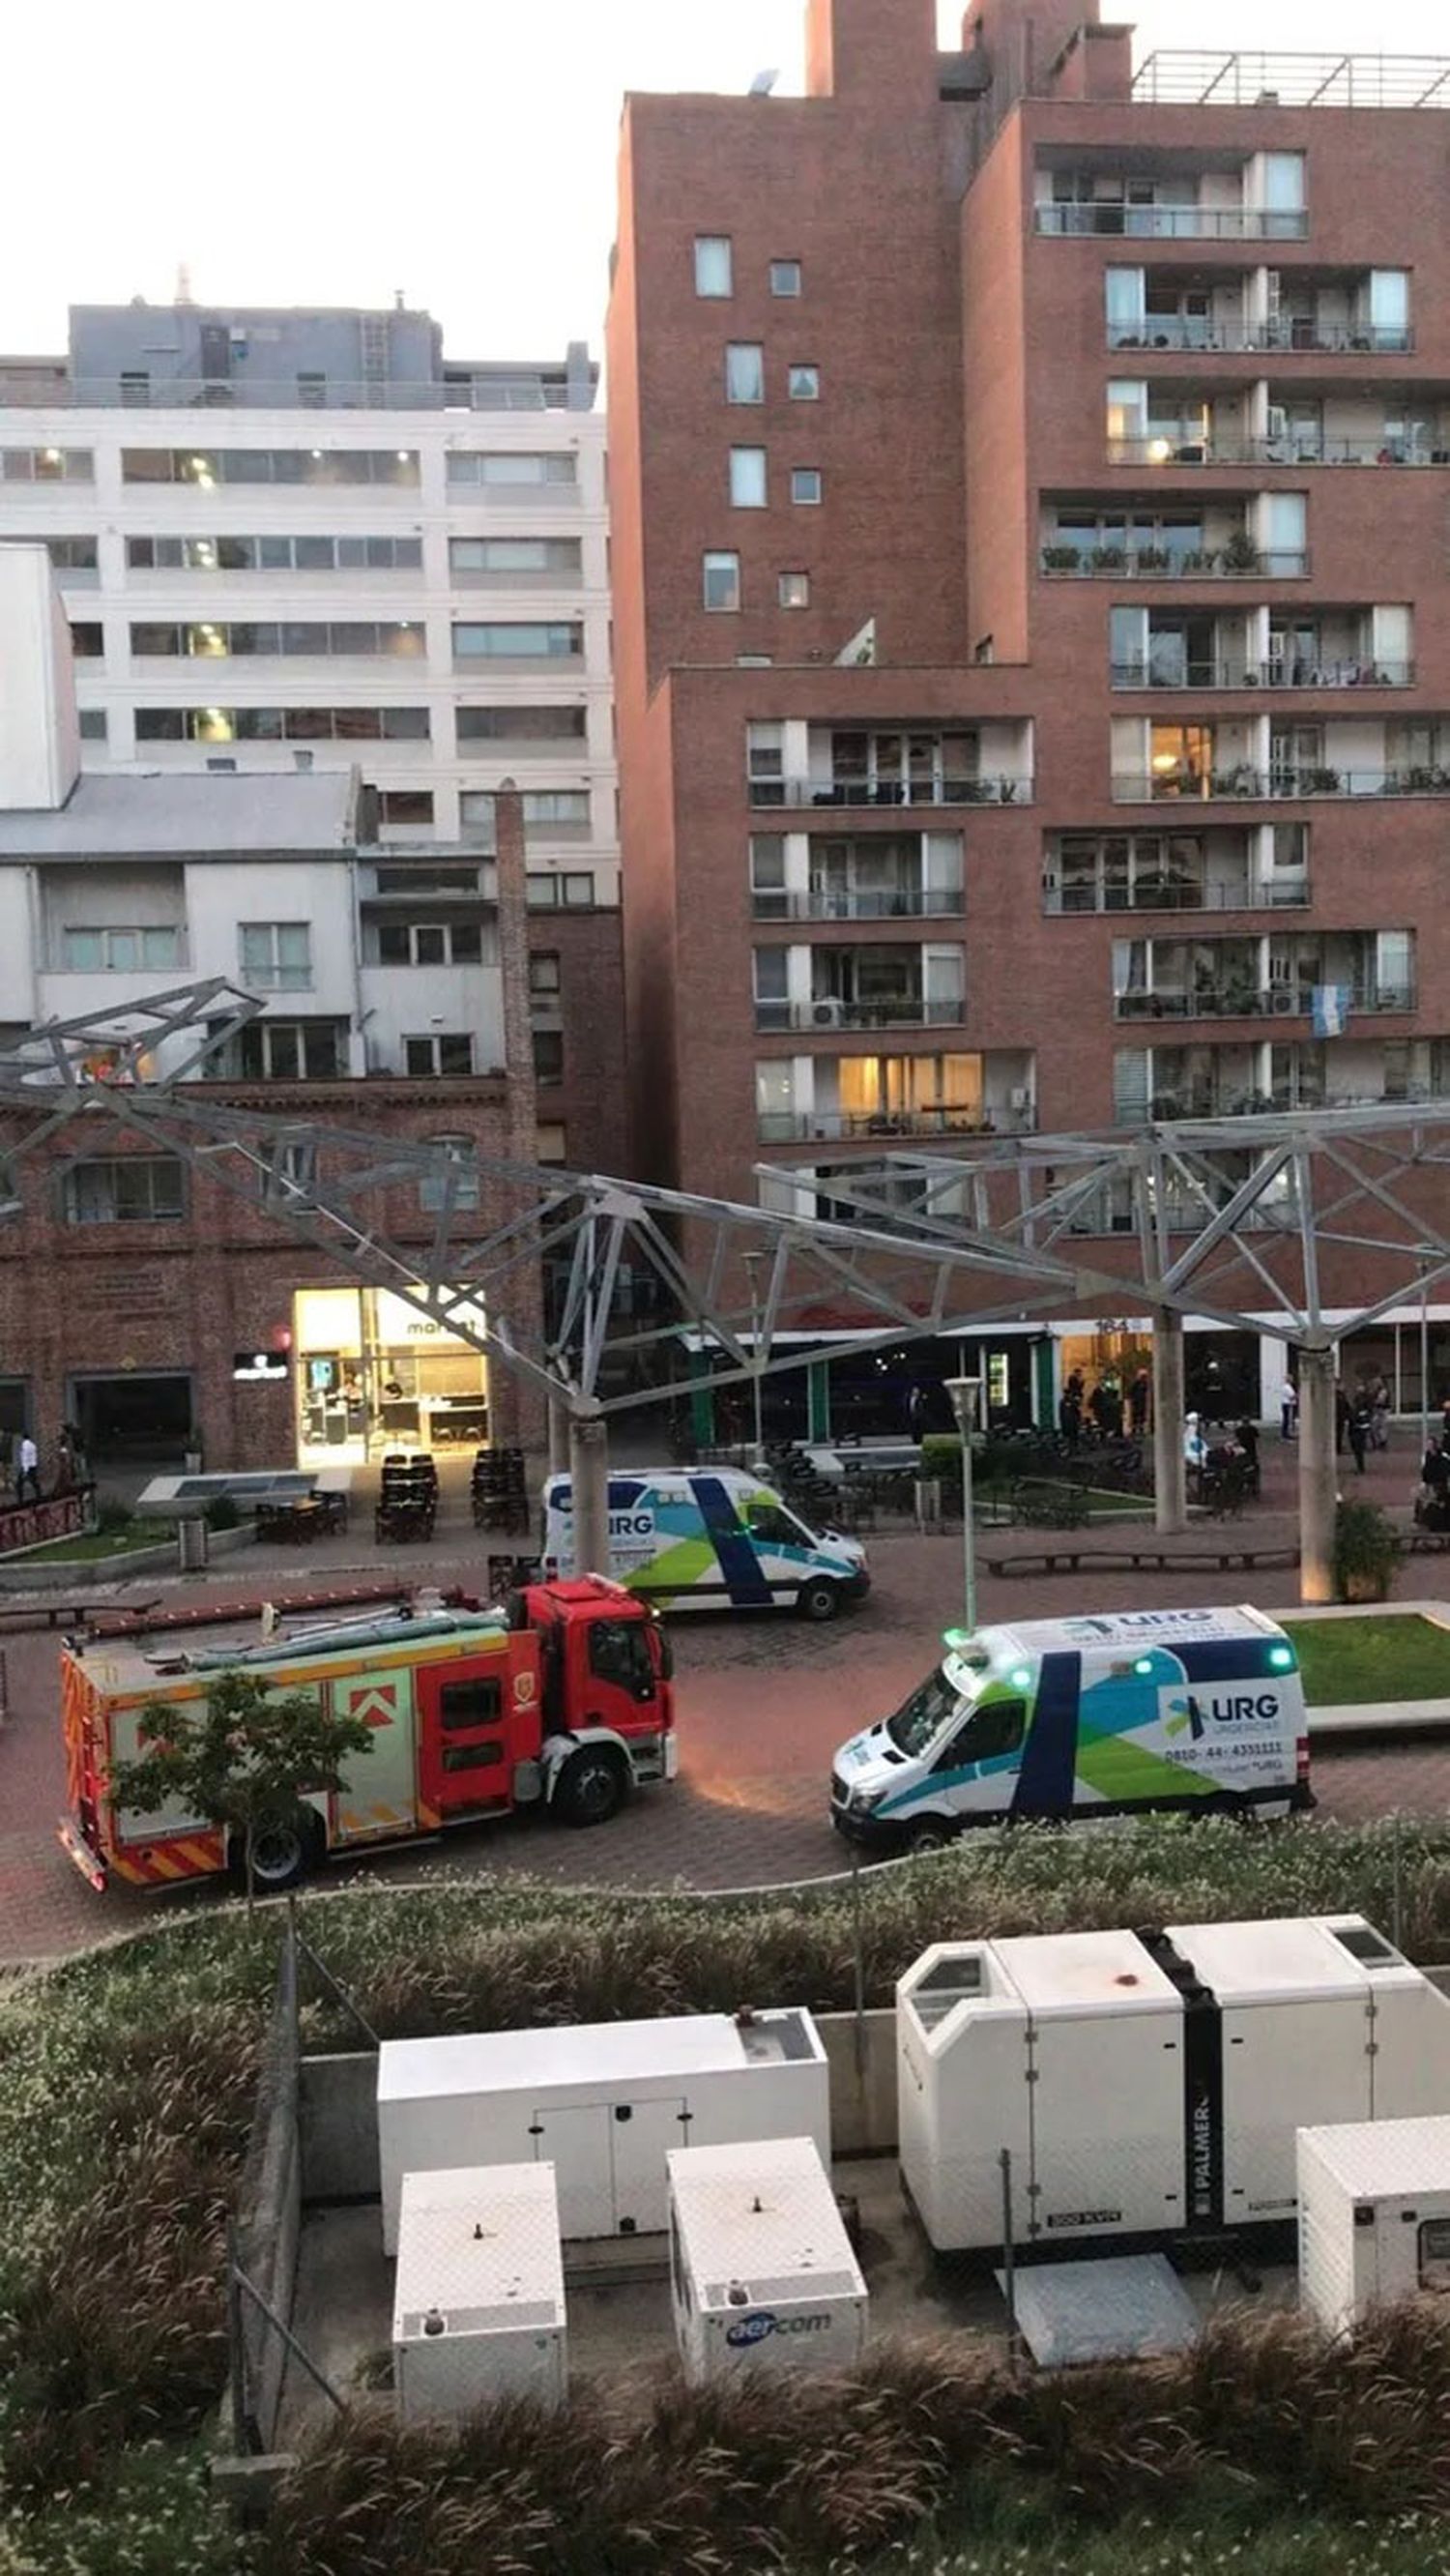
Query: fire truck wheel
{"points": [[281, 1855], [818, 1600], [592, 1786]]}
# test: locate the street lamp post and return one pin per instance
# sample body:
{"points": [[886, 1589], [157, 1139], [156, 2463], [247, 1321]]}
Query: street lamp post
{"points": [[752, 1262], [964, 1393]]}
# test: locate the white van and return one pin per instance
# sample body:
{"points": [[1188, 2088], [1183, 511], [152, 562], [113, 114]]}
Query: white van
{"points": [[710, 1538], [1103, 1716]]}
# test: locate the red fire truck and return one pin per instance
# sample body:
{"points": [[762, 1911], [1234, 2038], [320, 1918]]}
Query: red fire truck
{"points": [[562, 1700]]}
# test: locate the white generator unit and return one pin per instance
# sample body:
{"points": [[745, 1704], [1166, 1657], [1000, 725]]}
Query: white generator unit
{"points": [[762, 2276], [1374, 2216], [602, 2103], [1147, 2085], [478, 2310]]}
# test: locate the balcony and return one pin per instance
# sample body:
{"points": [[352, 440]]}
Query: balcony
{"points": [[878, 792], [1235, 561], [856, 903], [1099, 221], [1296, 334], [830, 1011], [1232, 672], [1175, 894], [1234, 999], [1217, 868], [1183, 443], [944, 1118], [1151, 787]]}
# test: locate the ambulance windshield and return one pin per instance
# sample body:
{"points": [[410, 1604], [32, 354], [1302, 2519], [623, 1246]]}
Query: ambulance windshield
{"points": [[921, 1717]]}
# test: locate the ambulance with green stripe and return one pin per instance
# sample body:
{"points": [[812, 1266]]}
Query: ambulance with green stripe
{"points": [[710, 1538], [1138, 1709]]}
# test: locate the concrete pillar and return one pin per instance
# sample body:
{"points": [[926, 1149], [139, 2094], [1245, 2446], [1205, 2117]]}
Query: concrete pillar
{"points": [[1170, 1506], [818, 1399], [589, 1482], [558, 1427], [1318, 1474]]}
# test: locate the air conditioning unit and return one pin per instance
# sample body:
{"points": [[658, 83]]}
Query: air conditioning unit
{"points": [[828, 1014], [1283, 1000]]}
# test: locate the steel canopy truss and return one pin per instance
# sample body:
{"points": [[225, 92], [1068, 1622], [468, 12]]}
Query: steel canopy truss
{"points": [[1232, 1218]]}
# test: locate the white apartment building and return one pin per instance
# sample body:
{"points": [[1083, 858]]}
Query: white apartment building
{"points": [[297, 540]]}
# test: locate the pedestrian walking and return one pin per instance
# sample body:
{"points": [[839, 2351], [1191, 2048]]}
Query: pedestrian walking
{"points": [[1358, 1428], [1140, 1405], [1342, 1413], [1195, 1453], [1379, 1411], [1288, 1410]]}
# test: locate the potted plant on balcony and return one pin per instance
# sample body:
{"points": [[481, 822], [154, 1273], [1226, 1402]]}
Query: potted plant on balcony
{"points": [[1240, 554], [1321, 782], [1109, 558], [1152, 559], [1061, 558], [1200, 559]]}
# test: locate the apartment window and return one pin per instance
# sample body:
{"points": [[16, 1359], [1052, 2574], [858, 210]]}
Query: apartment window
{"points": [[549, 1142], [281, 724], [274, 554], [429, 943], [544, 972], [47, 465], [744, 372], [794, 590], [557, 809], [520, 724], [124, 1189], [721, 581], [93, 724], [427, 875], [785, 277], [538, 642], [72, 554], [276, 955], [461, 1188], [290, 1051], [432, 1058], [528, 558], [805, 485], [120, 952], [87, 643], [308, 640], [767, 876], [552, 890], [747, 478], [511, 465], [205, 468], [765, 761], [549, 1055], [400, 806], [804, 384], [713, 270]]}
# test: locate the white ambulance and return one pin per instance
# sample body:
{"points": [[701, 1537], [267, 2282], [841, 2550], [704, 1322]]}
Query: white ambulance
{"points": [[710, 1538]]}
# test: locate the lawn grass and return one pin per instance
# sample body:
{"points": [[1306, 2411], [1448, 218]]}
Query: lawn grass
{"points": [[1353, 1662]]}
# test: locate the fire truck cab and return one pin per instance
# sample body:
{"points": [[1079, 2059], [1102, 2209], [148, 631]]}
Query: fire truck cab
{"points": [[562, 1700]]}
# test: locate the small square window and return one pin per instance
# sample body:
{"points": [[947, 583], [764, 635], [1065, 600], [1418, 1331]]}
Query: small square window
{"points": [[804, 384], [548, 1142], [712, 264], [579, 891], [722, 581], [747, 478], [744, 372], [805, 485], [785, 277], [795, 590]]}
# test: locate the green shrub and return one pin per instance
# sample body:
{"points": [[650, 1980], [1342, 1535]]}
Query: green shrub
{"points": [[222, 1513], [111, 1516], [1366, 1550], [941, 1456]]}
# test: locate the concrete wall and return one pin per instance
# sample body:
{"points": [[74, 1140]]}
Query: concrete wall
{"points": [[39, 742]]}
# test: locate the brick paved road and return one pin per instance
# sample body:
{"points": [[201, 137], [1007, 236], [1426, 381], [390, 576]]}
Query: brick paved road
{"points": [[763, 1704]]}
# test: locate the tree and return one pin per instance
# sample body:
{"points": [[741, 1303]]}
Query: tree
{"points": [[245, 1759]]}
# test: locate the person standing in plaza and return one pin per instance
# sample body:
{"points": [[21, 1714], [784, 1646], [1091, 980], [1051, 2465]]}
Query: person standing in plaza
{"points": [[27, 1470]]}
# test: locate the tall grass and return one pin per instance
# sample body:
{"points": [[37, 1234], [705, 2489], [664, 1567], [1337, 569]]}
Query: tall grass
{"points": [[825, 2473]]}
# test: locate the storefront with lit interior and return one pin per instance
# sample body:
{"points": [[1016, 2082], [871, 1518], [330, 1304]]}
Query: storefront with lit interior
{"points": [[373, 1374]]}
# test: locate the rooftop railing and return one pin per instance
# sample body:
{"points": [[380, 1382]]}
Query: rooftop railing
{"points": [[140, 392], [1182, 79]]}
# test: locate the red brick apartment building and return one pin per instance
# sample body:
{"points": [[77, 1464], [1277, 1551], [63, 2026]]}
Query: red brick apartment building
{"points": [[1032, 655]]}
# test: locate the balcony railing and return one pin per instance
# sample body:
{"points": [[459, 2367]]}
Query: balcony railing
{"points": [[904, 1011], [1174, 894], [1174, 223], [805, 1126], [1133, 1108], [891, 792], [1173, 447], [846, 903], [1292, 335], [1353, 672], [1158, 563], [1144, 788], [1242, 1000]]}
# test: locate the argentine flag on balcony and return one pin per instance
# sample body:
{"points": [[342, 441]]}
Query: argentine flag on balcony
{"points": [[1331, 1010]]}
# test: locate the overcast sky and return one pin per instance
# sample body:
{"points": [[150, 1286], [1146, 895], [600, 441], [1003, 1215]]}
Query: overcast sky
{"points": [[330, 151]]}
